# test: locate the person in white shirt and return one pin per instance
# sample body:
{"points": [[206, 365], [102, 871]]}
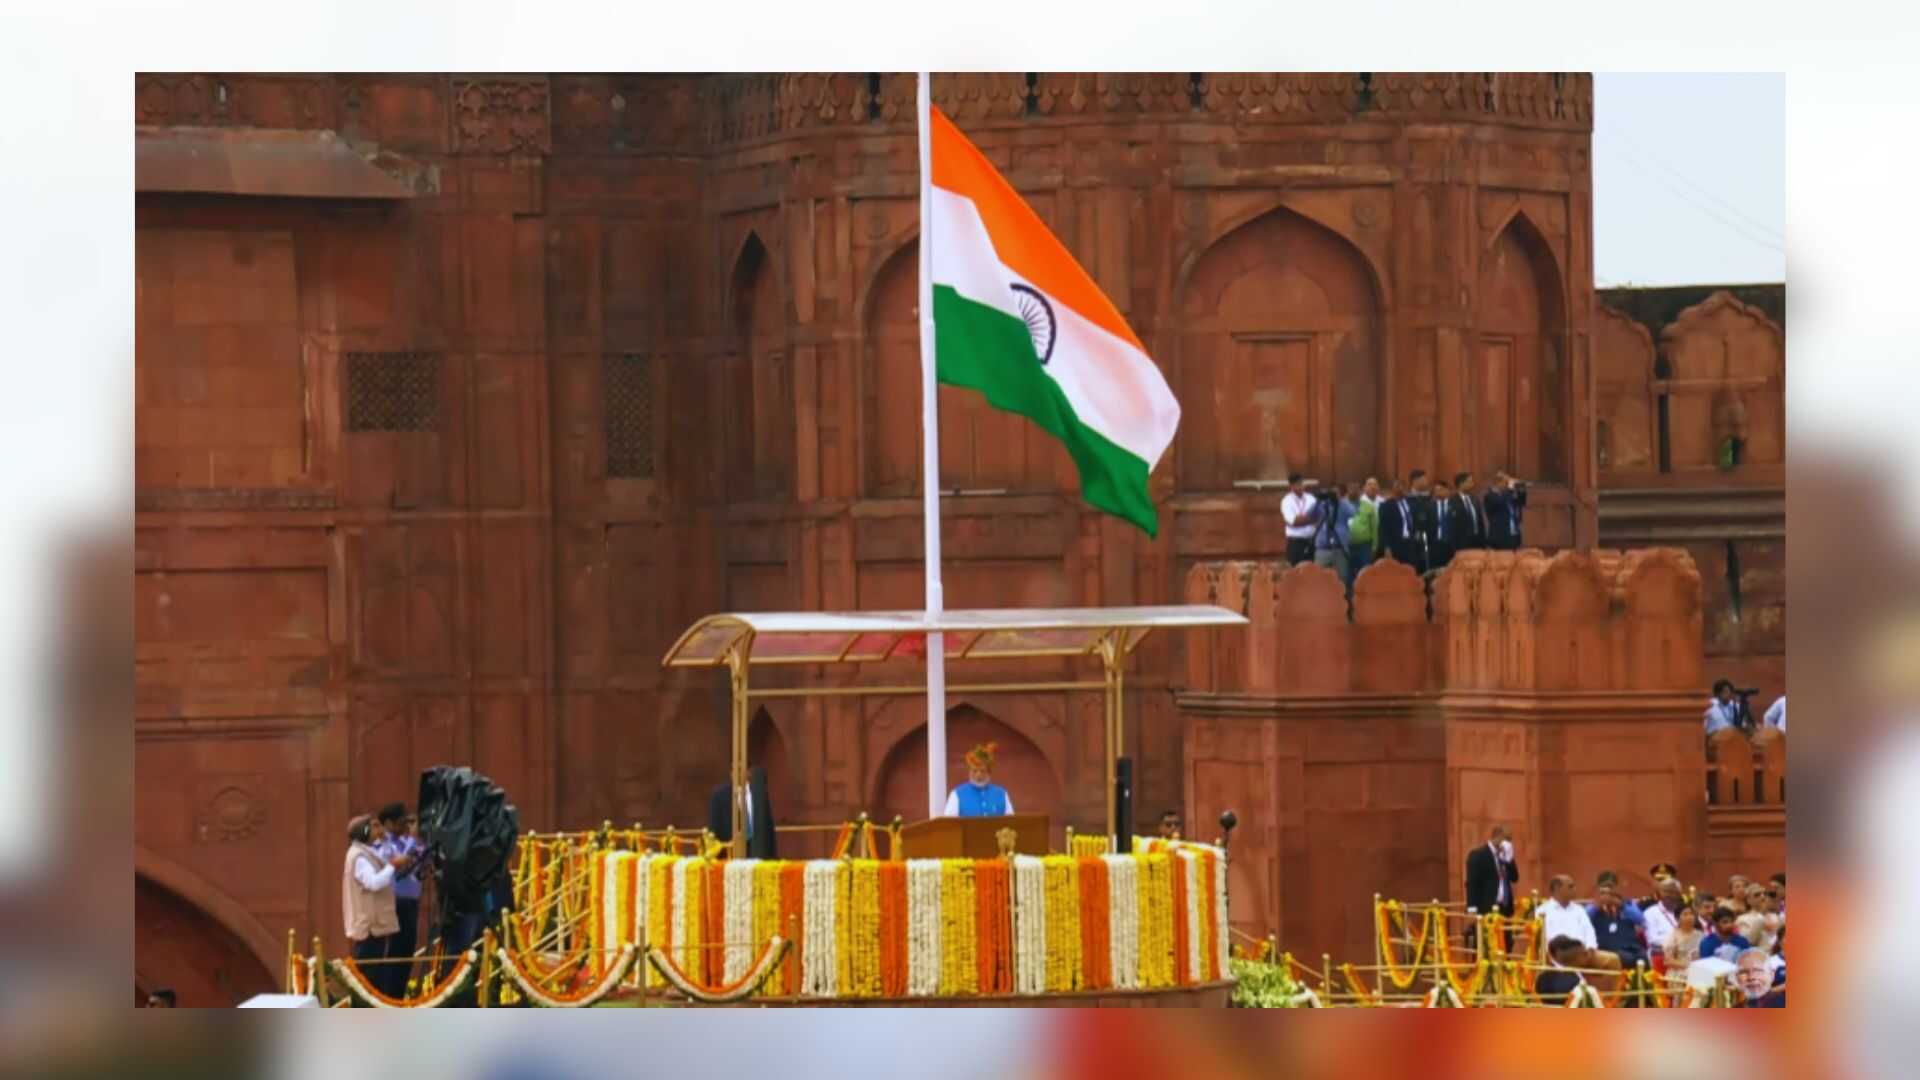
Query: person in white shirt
{"points": [[1723, 711], [1296, 509], [1562, 916], [1664, 917], [1777, 715]]}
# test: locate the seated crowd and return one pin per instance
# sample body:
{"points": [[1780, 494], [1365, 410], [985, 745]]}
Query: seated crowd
{"points": [[1687, 938]]}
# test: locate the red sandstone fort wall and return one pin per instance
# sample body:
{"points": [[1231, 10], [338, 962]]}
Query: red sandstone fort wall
{"points": [[460, 396], [1556, 695]]}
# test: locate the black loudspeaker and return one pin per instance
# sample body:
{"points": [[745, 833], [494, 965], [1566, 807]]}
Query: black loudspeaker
{"points": [[1123, 805]]}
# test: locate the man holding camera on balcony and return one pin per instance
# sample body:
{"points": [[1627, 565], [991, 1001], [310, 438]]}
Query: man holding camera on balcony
{"points": [[1505, 504], [1728, 708]]}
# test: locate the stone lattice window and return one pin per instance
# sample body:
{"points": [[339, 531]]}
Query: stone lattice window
{"points": [[629, 403], [393, 391]]}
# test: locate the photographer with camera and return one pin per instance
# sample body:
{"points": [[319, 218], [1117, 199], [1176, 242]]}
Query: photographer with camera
{"points": [[1333, 523], [1729, 707], [399, 842], [1505, 505]]}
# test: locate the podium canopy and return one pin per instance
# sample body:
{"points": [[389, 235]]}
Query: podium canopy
{"points": [[841, 637]]}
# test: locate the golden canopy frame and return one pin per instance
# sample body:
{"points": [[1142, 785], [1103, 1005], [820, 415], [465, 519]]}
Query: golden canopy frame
{"points": [[738, 642]]}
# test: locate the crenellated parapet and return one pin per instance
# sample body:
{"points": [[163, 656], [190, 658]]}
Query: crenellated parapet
{"points": [[1491, 621]]}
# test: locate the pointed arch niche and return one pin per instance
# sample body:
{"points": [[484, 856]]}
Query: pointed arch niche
{"points": [[1517, 401], [759, 391], [1279, 357], [1021, 766], [980, 446]]}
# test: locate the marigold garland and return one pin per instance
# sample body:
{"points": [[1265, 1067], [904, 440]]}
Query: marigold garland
{"points": [[918, 928], [959, 928], [660, 908], [1063, 912], [993, 917], [1182, 931], [843, 924], [863, 949], [713, 921], [793, 920], [893, 929], [1156, 922], [1096, 907], [1385, 914]]}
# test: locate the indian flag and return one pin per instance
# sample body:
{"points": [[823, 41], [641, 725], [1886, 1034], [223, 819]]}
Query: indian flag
{"points": [[1016, 318]]}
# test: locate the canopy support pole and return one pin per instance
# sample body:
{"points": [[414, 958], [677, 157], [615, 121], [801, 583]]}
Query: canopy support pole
{"points": [[1113, 658], [738, 702]]}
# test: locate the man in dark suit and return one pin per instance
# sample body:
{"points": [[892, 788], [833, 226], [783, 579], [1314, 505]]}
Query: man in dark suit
{"points": [[1400, 526], [1466, 522], [1506, 505], [761, 837], [1440, 526], [1492, 875]]}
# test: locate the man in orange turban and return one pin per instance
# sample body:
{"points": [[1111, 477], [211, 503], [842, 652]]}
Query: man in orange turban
{"points": [[979, 796]]}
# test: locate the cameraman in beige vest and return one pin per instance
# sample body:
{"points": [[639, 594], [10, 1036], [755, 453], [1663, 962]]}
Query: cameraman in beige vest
{"points": [[366, 889]]}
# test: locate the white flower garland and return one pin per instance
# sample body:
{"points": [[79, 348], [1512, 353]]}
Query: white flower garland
{"points": [[458, 980], [677, 917], [739, 918], [1222, 934], [609, 980], [1029, 925], [637, 933], [750, 981], [1123, 920], [607, 936], [1585, 996], [1444, 997], [923, 927], [820, 961], [1190, 866]]}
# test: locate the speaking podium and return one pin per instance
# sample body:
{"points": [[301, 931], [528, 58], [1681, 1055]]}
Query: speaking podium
{"points": [[974, 837]]}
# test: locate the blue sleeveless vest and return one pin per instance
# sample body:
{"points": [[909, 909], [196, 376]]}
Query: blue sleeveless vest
{"points": [[986, 801]]}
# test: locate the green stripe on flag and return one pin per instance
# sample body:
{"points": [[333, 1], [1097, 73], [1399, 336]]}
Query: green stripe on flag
{"points": [[985, 349]]}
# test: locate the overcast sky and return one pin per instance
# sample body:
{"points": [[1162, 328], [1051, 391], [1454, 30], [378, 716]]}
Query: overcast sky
{"points": [[1689, 179]]}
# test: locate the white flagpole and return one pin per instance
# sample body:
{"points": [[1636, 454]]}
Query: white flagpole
{"points": [[930, 471]]}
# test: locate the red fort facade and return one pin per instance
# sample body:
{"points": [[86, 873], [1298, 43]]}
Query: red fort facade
{"points": [[459, 397]]}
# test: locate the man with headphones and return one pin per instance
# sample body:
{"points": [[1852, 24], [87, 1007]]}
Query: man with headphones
{"points": [[366, 891]]}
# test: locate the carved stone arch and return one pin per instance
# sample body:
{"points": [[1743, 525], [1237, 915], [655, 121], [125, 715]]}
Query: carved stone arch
{"points": [[1729, 361], [1519, 401], [760, 407], [1229, 224], [907, 249], [1624, 359], [768, 729], [1281, 338], [1030, 728], [219, 909]]}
